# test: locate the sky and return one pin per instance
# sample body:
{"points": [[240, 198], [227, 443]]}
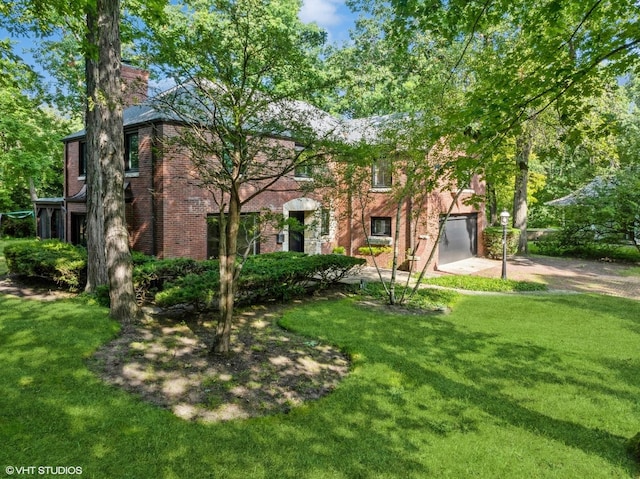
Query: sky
{"points": [[332, 15]]}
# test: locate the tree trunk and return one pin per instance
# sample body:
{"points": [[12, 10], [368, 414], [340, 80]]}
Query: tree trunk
{"points": [[96, 252], [520, 212], [229, 226], [111, 151], [396, 253], [492, 201]]}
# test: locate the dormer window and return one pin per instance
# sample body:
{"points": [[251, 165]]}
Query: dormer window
{"points": [[131, 161], [381, 174]]}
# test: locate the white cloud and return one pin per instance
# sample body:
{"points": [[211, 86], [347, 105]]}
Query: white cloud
{"points": [[323, 12]]}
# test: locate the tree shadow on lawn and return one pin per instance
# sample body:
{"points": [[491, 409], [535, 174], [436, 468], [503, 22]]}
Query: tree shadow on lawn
{"points": [[55, 411], [363, 429], [472, 383]]}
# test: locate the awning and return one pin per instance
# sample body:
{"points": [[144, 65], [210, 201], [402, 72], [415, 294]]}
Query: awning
{"points": [[18, 215]]}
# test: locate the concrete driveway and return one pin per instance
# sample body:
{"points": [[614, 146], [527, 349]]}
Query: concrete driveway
{"points": [[585, 276]]}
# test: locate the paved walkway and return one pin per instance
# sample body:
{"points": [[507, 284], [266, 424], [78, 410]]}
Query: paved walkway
{"points": [[585, 276]]}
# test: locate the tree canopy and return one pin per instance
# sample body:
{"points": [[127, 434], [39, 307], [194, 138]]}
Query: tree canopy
{"points": [[30, 134]]}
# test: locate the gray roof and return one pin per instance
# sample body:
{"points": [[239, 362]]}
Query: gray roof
{"points": [[296, 112], [133, 115], [590, 190]]}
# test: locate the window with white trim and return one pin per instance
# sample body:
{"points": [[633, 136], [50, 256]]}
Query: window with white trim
{"points": [[381, 174]]}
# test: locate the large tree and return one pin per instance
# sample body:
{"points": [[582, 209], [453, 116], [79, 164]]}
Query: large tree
{"points": [[99, 36], [105, 134], [515, 59], [406, 87], [241, 67]]}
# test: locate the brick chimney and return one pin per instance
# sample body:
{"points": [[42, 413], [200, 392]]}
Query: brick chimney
{"points": [[135, 84]]}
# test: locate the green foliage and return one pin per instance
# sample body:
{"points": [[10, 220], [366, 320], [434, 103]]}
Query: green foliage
{"points": [[150, 276], [374, 250], [339, 250], [493, 241], [607, 211], [556, 245], [30, 146], [478, 283], [272, 276], [199, 290], [17, 228], [53, 260]]}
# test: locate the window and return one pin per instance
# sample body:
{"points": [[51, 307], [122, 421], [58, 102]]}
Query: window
{"points": [[325, 219], [79, 229], [381, 174], [248, 235], [303, 170], [380, 226], [131, 152], [82, 159], [304, 167]]}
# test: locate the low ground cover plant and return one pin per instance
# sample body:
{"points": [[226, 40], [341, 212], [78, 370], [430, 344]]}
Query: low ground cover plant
{"points": [[479, 283], [423, 299]]}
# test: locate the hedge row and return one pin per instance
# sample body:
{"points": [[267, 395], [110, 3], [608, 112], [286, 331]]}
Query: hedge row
{"points": [[52, 260], [493, 241], [272, 276], [264, 277]]}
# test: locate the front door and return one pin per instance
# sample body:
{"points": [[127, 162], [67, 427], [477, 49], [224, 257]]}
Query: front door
{"points": [[296, 235]]}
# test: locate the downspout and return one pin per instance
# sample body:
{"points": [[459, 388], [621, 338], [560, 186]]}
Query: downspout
{"points": [[152, 190], [65, 190]]}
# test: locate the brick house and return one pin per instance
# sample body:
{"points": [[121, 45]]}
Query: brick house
{"points": [[169, 217]]}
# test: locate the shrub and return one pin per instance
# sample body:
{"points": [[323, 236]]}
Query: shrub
{"points": [[150, 275], [53, 260], [18, 228], [558, 245], [272, 276], [493, 241], [339, 250]]}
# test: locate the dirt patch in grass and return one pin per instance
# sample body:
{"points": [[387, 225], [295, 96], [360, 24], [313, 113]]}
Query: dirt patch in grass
{"points": [[270, 370]]}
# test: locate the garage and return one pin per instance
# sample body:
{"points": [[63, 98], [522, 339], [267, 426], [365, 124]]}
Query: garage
{"points": [[459, 239]]}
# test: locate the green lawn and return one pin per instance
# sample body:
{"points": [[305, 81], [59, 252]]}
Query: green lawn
{"points": [[503, 387]]}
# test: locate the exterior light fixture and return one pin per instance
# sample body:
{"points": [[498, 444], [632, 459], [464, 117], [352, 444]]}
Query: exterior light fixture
{"points": [[504, 221]]}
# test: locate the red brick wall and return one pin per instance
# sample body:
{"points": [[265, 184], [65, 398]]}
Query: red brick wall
{"points": [[380, 204], [167, 216], [135, 83], [181, 206]]}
